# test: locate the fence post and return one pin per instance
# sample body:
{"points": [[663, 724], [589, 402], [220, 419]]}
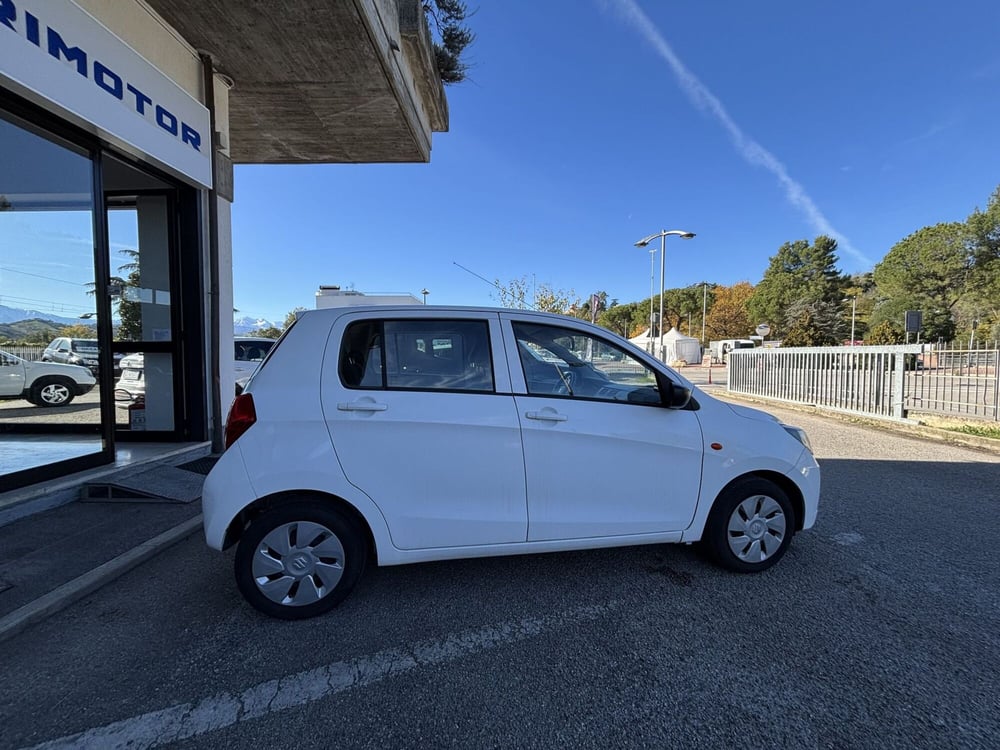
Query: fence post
{"points": [[898, 384], [996, 385]]}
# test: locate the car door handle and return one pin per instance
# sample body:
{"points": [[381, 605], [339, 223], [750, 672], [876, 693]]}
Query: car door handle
{"points": [[547, 415], [361, 406]]}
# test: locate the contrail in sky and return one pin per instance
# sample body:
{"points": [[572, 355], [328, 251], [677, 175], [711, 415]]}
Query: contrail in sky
{"points": [[748, 148]]}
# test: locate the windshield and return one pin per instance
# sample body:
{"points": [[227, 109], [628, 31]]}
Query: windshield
{"points": [[83, 345]]}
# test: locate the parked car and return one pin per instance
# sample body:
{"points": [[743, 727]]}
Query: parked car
{"points": [[131, 385], [248, 353], [421, 433], [81, 352], [42, 383]]}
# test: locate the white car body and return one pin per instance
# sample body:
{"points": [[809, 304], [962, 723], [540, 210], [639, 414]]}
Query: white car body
{"points": [[19, 378], [438, 474]]}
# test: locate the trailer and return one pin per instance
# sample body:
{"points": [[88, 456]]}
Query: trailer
{"points": [[720, 349]]}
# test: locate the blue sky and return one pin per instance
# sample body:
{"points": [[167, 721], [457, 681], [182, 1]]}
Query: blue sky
{"points": [[589, 124]]}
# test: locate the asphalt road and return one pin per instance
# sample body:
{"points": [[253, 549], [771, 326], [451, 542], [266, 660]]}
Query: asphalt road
{"points": [[880, 628], [85, 409]]}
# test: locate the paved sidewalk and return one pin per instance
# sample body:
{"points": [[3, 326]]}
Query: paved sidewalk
{"points": [[51, 559]]}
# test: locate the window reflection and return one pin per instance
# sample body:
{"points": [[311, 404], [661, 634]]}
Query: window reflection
{"points": [[49, 403]]}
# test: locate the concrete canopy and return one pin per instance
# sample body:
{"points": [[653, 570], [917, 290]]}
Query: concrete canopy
{"points": [[345, 81]]}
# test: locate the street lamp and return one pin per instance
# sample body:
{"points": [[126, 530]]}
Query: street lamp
{"points": [[649, 339], [854, 307], [425, 293], [662, 234], [704, 306]]}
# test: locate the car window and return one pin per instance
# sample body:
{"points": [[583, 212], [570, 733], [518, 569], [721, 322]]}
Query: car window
{"points": [[564, 362], [449, 355], [252, 351]]}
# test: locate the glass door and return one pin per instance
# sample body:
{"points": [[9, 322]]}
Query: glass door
{"points": [[141, 221]]}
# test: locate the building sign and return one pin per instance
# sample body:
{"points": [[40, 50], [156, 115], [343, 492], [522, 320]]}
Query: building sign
{"points": [[56, 51]]}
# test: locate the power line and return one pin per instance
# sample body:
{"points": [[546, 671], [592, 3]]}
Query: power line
{"points": [[492, 284], [39, 276]]}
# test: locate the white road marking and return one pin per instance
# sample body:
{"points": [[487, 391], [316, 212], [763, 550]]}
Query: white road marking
{"points": [[187, 720]]}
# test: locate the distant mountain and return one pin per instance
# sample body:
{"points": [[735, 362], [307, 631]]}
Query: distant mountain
{"points": [[16, 315], [32, 330], [243, 326]]}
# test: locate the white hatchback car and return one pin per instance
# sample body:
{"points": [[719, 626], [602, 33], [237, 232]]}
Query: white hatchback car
{"points": [[408, 434]]}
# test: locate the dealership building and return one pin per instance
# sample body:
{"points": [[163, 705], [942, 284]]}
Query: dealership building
{"points": [[120, 123]]}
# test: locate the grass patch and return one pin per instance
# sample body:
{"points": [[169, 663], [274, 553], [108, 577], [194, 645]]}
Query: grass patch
{"points": [[969, 429]]}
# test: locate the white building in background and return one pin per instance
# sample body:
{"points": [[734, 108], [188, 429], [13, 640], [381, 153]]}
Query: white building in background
{"points": [[334, 296]]}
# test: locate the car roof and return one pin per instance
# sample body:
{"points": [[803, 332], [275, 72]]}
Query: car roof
{"points": [[432, 310]]}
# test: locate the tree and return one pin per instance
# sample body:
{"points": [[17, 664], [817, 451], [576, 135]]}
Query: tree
{"points": [[621, 319], [291, 316], [813, 324], [984, 237], [515, 294], [588, 311], [884, 334], [265, 333], [77, 331], [798, 271], [728, 317], [129, 309], [452, 38], [927, 271]]}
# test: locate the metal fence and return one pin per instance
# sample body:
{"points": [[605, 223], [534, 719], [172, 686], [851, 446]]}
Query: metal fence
{"points": [[30, 352], [956, 382], [880, 381]]}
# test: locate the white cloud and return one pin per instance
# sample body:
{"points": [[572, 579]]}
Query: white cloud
{"points": [[751, 151]]}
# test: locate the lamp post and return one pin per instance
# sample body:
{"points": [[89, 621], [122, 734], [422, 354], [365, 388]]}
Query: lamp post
{"points": [[662, 234], [649, 338], [425, 293], [704, 307], [854, 306]]}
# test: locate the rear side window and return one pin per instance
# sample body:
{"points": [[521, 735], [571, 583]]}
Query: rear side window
{"points": [[445, 355]]}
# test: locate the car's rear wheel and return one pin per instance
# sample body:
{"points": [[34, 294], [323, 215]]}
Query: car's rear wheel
{"points": [[750, 526], [299, 560], [51, 392]]}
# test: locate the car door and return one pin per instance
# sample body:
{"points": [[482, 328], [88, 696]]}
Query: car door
{"points": [[424, 424], [603, 456], [11, 375]]}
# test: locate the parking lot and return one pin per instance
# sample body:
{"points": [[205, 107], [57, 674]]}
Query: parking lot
{"points": [[879, 628]]}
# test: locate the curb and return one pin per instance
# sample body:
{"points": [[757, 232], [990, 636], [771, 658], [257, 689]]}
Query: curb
{"points": [[61, 597]]}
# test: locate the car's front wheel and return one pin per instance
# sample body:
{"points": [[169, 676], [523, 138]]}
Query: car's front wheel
{"points": [[51, 392], [750, 526], [299, 560]]}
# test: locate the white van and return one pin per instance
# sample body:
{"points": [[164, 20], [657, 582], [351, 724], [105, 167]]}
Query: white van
{"points": [[414, 433]]}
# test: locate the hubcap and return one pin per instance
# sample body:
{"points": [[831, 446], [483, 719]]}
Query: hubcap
{"points": [[55, 394], [756, 528], [298, 563]]}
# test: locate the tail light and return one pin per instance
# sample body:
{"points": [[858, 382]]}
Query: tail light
{"points": [[242, 415]]}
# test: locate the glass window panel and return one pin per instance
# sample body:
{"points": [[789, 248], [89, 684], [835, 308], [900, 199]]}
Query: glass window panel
{"points": [[564, 362], [47, 283]]}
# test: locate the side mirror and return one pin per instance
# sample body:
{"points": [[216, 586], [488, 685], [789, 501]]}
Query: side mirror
{"points": [[673, 395], [679, 397]]}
